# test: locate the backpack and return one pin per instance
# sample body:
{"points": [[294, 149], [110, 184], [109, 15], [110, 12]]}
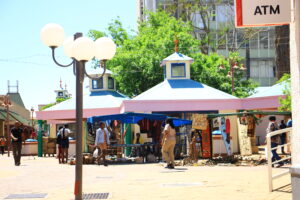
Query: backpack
{"points": [[58, 139], [273, 127]]}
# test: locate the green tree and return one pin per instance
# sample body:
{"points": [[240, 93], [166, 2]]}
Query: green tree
{"points": [[286, 102], [136, 64], [214, 70]]}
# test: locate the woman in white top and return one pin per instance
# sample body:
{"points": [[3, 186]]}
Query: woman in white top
{"points": [[168, 143], [101, 142]]}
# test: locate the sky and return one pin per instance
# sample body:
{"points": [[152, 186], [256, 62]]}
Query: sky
{"points": [[23, 56]]}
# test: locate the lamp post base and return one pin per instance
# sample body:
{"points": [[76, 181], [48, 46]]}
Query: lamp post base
{"points": [[295, 176]]}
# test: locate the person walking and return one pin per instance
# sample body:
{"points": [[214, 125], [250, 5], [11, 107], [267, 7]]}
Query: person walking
{"points": [[193, 149], [273, 126], [168, 143], [282, 125], [2, 144], [58, 142], [102, 142], [64, 143], [16, 136]]}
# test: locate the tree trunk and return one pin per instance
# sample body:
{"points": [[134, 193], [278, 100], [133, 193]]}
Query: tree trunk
{"points": [[282, 44]]}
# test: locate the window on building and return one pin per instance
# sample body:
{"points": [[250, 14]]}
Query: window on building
{"points": [[213, 13], [221, 41], [60, 94], [263, 40], [272, 39], [97, 84], [111, 84], [240, 39], [231, 40], [262, 71], [178, 69], [254, 42]]}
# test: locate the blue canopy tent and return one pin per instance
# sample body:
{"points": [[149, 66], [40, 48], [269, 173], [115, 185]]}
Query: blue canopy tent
{"points": [[133, 118]]}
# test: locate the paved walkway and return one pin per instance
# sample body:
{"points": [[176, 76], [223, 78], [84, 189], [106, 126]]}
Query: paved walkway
{"points": [[140, 181]]}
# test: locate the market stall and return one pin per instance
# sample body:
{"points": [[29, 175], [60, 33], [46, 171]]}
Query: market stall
{"points": [[147, 126]]}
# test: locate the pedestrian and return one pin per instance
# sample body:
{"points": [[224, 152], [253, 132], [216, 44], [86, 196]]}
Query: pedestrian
{"points": [[58, 142], [168, 143], [2, 144], [272, 126], [282, 125], [289, 122], [16, 135], [64, 142], [33, 134], [193, 149], [102, 142]]}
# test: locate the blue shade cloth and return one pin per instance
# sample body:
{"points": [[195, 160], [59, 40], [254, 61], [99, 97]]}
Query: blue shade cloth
{"points": [[180, 122], [128, 118], [30, 140], [216, 132], [133, 118]]}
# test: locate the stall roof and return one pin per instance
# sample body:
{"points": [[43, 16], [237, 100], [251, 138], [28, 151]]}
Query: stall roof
{"points": [[274, 90], [100, 99], [13, 117], [133, 118], [249, 113], [179, 89]]}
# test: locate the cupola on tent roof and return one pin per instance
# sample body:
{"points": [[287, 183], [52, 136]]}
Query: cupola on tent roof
{"points": [[177, 57]]}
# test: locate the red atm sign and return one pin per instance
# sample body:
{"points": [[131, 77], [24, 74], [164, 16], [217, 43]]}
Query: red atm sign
{"points": [[250, 13]]}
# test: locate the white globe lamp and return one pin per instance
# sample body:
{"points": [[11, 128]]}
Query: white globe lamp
{"points": [[52, 35], [105, 48], [83, 49]]}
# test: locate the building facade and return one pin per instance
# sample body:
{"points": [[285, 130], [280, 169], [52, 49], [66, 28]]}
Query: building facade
{"points": [[259, 51]]}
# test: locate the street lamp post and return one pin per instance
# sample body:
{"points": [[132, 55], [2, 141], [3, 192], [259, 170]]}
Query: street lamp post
{"points": [[32, 110], [233, 67], [80, 50]]}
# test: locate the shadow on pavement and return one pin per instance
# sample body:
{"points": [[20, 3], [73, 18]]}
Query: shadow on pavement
{"points": [[286, 189]]}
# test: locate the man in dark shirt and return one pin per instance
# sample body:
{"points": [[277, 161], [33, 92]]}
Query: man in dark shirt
{"points": [[16, 135]]}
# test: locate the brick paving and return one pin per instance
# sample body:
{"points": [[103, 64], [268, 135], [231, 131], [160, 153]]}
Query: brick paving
{"points": [[140, 181]]}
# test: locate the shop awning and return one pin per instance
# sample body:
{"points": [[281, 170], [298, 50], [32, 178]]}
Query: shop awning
{"points": [[133, 118], [13, 117]]}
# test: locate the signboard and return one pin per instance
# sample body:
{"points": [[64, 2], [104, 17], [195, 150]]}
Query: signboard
{"points": [[199, 121], [250, 13]]}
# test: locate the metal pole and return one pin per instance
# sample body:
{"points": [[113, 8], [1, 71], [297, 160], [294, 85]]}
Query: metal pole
{"points": [[78, 168], [269, 156], [31, 118], [232, 80], [40, 139], [7, 125]]}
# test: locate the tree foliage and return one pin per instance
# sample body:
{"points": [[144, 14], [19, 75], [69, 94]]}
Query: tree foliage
{"points": [[136, 65], [286, 102], [214, 70]]}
